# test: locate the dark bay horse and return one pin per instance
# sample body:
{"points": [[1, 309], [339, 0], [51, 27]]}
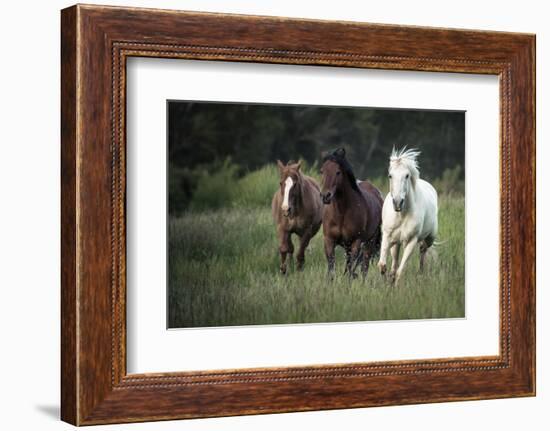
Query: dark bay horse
{"points": [[352, 215], [297, 209]]}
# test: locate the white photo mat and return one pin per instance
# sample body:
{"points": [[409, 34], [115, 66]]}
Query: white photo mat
{"points": [[151, 347]]}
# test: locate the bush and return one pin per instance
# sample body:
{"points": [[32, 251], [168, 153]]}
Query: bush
{"points": [[223, 188], [215, 190], [182, 182], [256, 188], [450, 181]]}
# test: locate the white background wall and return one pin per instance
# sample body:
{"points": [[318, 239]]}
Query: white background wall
{"points": [[29, 214]]}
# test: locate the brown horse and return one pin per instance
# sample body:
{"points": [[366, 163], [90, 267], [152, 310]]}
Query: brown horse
{"points": [[296, 208], [352, 215]]}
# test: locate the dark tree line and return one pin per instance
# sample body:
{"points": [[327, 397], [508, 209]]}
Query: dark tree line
{"points": [[203, 135]]}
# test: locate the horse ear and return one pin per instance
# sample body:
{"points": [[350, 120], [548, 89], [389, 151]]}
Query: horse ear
{"points": [[297, 165], [281, 166], [340, 152]]}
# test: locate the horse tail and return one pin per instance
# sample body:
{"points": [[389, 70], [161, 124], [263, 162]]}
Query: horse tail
{"points": [[433, 253], [433, 250]]}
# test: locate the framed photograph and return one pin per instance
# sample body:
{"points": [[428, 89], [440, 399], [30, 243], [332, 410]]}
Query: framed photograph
{"points": [[265, 214]]}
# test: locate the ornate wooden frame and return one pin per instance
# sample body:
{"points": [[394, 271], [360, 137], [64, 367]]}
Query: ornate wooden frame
{"points": [[95, 43]]}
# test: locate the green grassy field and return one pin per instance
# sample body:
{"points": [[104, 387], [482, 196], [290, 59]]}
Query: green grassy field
{"points": [[224, 270]]}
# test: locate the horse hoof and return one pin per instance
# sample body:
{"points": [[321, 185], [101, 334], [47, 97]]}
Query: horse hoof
{"points": [[283, 270], [394, 279], [382, 268]]}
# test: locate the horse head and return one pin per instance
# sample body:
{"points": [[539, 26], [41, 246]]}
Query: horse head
{"points": [[402, 173], [335, 171], [290, 183]]}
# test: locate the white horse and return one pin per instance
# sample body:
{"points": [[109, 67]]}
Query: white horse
{"points": [[409, 214]]}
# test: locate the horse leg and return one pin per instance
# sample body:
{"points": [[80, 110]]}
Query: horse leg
{"points": [[371, 248], [424, 246], [409, 248], [354, 258], [290, 249], [367, 256], [394, 259], [359, 259], [329, 253], [347, 249], [383, 253], [304, 242], [286, 247]]}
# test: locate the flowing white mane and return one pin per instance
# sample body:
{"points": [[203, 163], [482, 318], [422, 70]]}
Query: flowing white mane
{"points": [[406, 157]]}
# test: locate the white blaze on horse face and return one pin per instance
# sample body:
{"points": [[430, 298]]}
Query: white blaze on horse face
{"points": [[288, 185]]}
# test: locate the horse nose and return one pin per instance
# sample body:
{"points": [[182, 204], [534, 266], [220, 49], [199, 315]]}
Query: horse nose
{"points": [[326, 197], [398, 204]]}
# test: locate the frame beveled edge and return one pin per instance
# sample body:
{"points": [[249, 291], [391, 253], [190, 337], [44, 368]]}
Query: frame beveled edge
{"points": [[95, 388]]}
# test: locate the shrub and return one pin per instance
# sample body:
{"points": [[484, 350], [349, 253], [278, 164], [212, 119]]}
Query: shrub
{"points": [[215, 190], [223, 188], [450, 181], [256, 188]]}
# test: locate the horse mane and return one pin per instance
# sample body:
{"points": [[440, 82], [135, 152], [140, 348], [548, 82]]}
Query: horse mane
{"points": [[335, 156], [407, 158]]}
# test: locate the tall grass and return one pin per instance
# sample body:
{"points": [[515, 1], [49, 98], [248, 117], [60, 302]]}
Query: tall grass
{"points": [[223, 268]]}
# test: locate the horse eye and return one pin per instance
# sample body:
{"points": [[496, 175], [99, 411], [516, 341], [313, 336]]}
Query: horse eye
{"points": [[407, 176], [389, 176], [338, 173]]}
